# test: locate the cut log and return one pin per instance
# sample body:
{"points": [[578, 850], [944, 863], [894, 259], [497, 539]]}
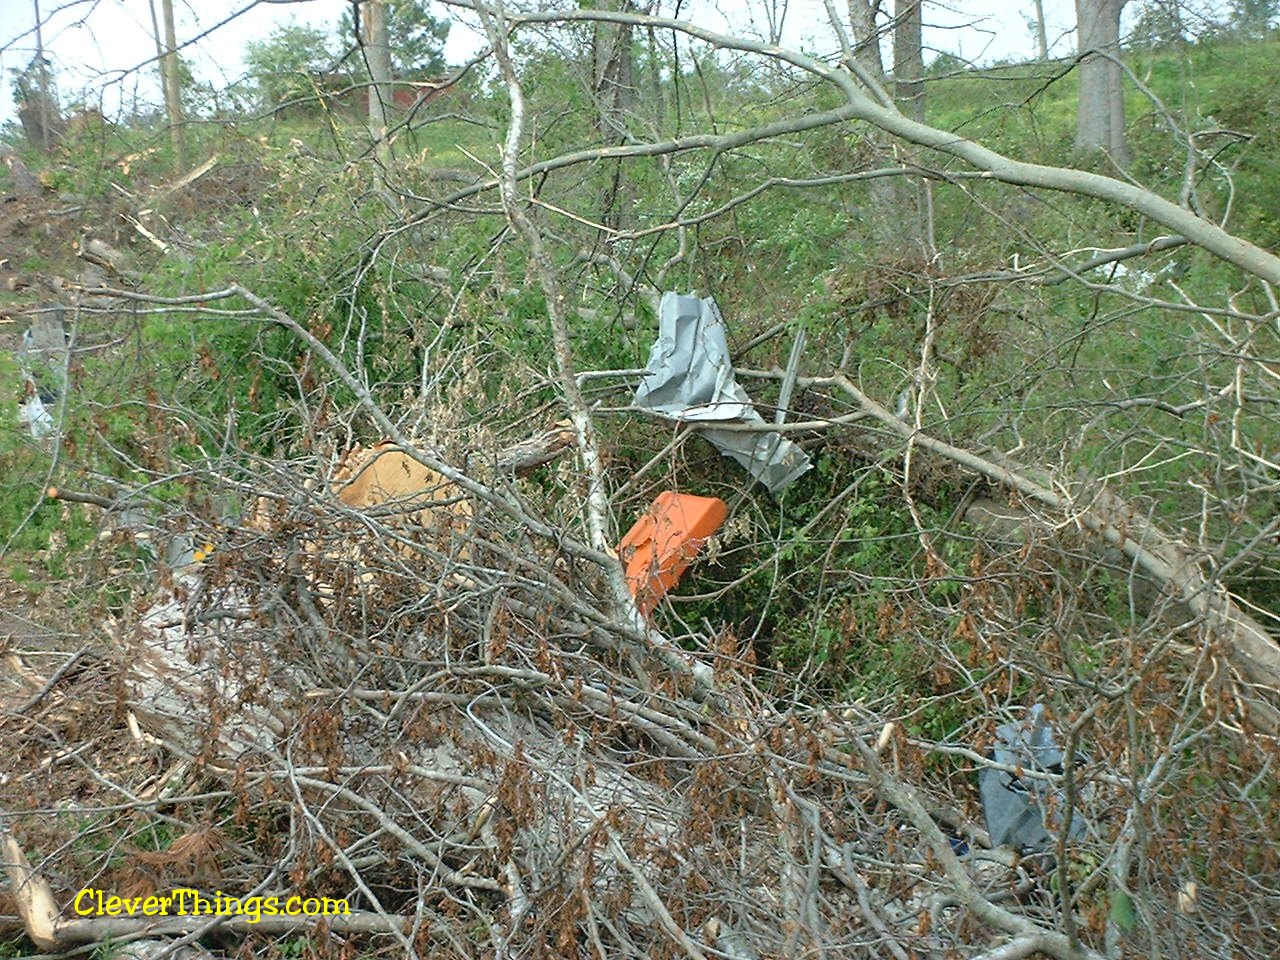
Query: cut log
{"points": [[31, 896]]}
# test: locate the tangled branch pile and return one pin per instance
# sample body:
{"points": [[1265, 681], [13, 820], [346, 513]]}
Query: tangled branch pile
{"points": [[431, 704], [414, 679]]}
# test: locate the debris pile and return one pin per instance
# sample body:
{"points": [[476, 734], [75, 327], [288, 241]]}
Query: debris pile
{"points": [[440, 703]]}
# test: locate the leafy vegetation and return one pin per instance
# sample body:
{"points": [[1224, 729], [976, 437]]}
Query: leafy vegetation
{"points": [[302, 238], [288, 65]]}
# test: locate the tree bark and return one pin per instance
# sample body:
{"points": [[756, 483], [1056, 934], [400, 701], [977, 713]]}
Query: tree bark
{"points": [[1042, 38], [173, 85], [377, 51], [46, 121], [38, 108], [866, 37], [908, 59], [1100, 112], [908, 91], [887, 194], [614, 85], [613, 62], [161, 62]]}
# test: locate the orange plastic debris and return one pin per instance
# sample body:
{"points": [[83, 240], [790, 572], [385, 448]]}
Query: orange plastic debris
{"points": [[662, 544]]}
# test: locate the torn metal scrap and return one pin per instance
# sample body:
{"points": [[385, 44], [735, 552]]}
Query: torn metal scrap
{"points": [[43, 357], [691, 380], [33, 411], [1022, 812]]}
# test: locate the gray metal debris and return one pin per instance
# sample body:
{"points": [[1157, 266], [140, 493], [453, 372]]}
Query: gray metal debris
{"points": [[691, 380], [43, 356], [34, 414], [1022, 812]]}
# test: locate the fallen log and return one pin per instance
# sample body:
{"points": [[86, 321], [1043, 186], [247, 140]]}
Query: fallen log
{"points": [[1249, 647]]}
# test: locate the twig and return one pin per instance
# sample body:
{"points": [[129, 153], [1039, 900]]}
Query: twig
{"points": [[904, 798], [52, 682], [74, 496]]}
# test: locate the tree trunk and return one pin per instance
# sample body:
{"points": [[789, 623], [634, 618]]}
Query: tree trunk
{"points": [[885, 193], [866, 37], [161, 61], [173, 85], [908, 90], [45, 119], [38, 108], [613, 61], [614, 81], [1042, 38], [908, 59], [377, 51], [1100, 114]]}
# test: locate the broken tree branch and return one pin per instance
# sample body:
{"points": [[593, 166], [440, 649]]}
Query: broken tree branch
{"points": [[1204, 233], [1248, 644]]}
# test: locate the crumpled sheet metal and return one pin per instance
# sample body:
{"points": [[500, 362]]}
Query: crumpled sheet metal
{"points": [[42, 357], [1025, 813], [691, 380]]}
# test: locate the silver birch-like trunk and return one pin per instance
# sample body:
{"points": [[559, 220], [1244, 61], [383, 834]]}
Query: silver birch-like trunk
{"points": [[1042, 37]]}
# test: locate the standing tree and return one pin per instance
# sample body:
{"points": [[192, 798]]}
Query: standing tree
{"points": [[613, 64], [908, 59], [400, 40], [613, 79], [1100, 114], [161, 62], [866, 37], [1042, 38], [1159, 22], [375, 42], [1252, 19], [908, 90], [172, 83], [895, 210], [46, 105], [36, 98], [898, 208], [283, 67], [417, 38]]}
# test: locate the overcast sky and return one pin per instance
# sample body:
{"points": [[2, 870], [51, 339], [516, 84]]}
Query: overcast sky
{"points": [[98, 46]]}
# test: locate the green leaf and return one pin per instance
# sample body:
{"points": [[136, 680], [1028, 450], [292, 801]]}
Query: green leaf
{"points": [[1122, 914]]}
